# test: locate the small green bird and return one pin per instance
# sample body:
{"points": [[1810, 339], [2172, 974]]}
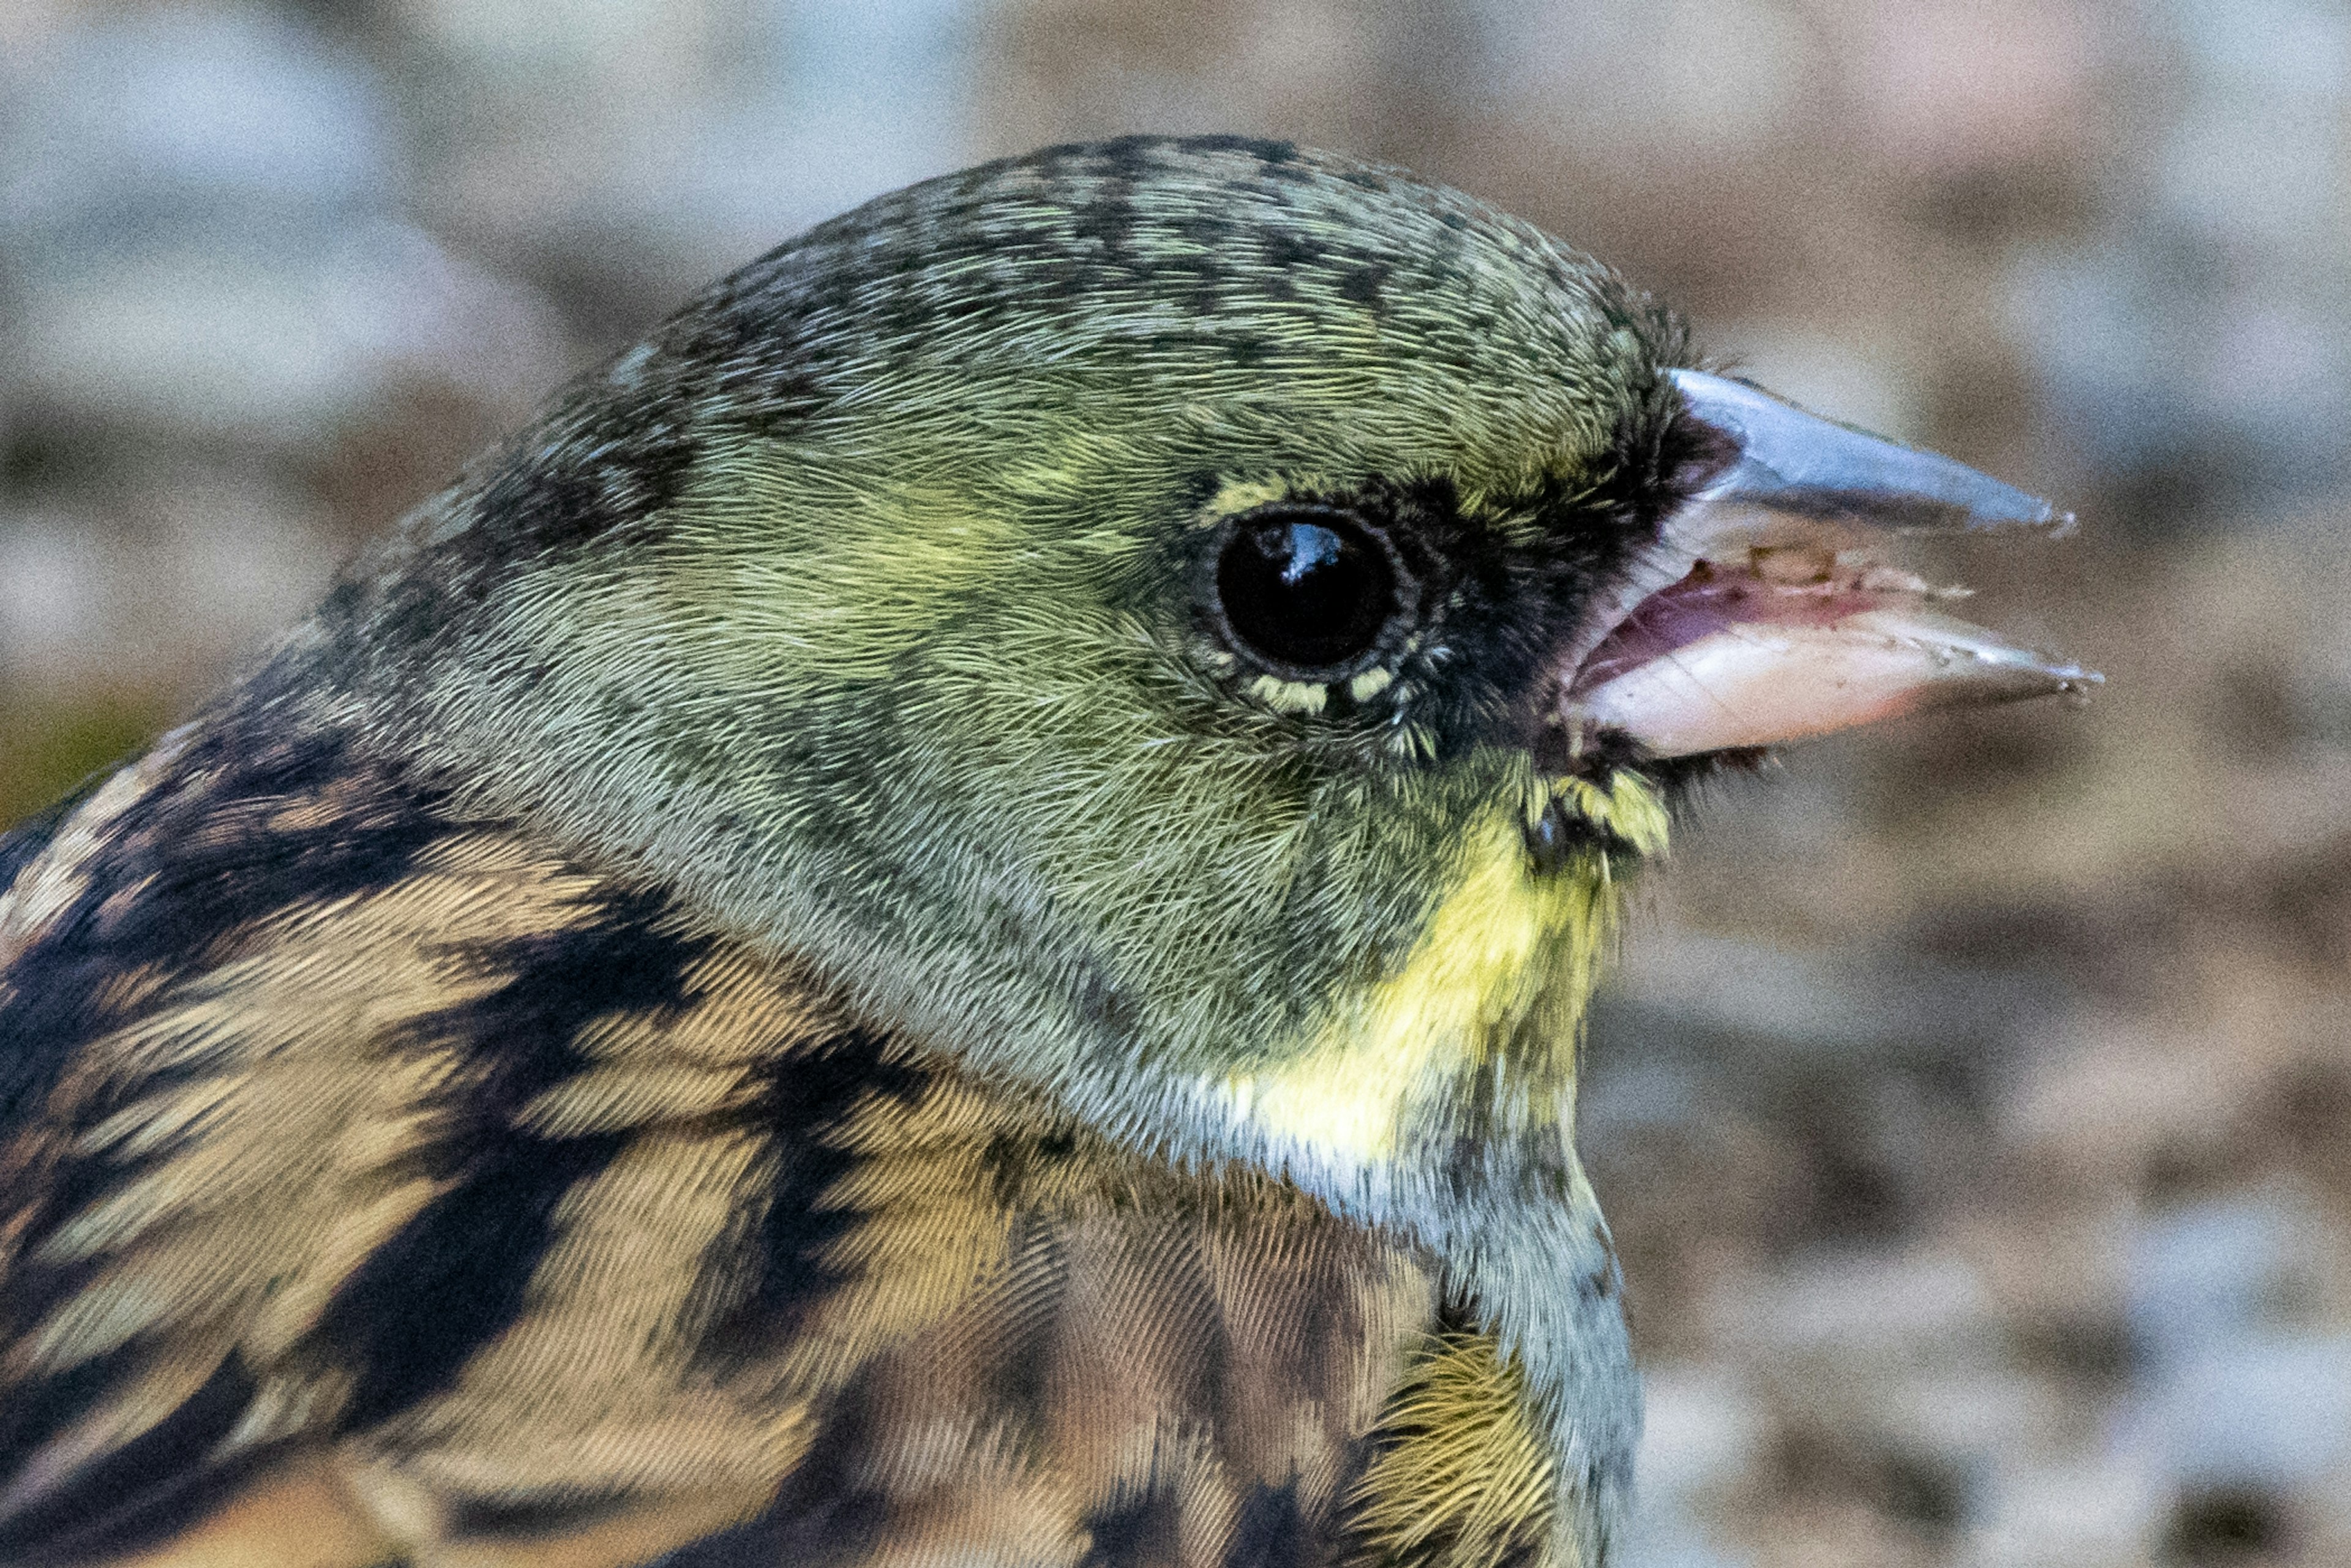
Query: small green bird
{"points": [[944, 920]]}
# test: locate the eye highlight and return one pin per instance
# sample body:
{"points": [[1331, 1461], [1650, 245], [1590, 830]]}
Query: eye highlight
{"points": [[1306, 587]]}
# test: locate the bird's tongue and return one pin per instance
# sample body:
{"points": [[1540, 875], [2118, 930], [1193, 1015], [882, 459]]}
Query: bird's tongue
{"points": [[1788, 644], [1754, 620], [1785, 587]]}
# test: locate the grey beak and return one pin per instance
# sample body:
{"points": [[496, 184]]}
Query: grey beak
{"points": [[1752, 621], [1800, 464]]}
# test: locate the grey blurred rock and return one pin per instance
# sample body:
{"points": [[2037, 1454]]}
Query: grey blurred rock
{"points": [[202, 242]]}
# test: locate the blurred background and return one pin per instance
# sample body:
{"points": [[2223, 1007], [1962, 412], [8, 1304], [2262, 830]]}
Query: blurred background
{"points": [[1975, 1107]]}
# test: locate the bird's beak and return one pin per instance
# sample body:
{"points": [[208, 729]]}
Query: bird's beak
{"points": [[1760, 615]]}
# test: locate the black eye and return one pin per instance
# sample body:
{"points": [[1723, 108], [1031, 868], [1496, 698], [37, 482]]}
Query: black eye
{"points": [[1305, 588]]}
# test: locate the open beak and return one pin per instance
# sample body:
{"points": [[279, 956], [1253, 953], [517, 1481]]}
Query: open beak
{"points": [[1761, 615]]}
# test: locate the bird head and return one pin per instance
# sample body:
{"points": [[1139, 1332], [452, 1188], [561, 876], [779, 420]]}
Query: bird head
{"points": [[1200, 630]]}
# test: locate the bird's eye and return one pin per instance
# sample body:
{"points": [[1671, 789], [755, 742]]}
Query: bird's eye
{"points": [[1308, 588]]}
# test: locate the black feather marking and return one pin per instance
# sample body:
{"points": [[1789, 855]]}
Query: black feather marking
{"points": [[479, 1519], [824, 1512], [1141, 1529], [209, 851], [1271, 1530], [807, 1096], [245, 825], [454, 1277], [1108, 217], [1366, 285], [150, 1489]]}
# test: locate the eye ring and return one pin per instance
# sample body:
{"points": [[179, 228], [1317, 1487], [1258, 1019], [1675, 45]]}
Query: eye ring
{"points": [[1310, 590]]}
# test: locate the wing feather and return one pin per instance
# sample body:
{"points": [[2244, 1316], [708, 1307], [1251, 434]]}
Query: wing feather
{"points": [[372, 1161]]}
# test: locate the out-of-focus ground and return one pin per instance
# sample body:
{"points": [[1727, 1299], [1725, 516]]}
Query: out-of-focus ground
{"points": [[1975, 1109]]}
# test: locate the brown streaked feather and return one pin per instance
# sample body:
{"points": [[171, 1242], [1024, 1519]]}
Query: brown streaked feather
{"points": [[302, 1516], [251, 1205], [422, 1184]]}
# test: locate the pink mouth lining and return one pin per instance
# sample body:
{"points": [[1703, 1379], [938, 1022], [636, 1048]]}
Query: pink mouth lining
{"points": [[1771, 587], [1761, 645]]}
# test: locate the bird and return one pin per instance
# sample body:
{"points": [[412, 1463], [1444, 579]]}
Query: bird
{"points": [[943, 918]]}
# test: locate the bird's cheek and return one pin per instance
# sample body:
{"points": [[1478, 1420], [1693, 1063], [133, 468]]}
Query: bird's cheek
{"points": [[1502, 968]]}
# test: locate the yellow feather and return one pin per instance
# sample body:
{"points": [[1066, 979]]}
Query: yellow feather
{"points": [[1507, 947], [1464, 1480]]}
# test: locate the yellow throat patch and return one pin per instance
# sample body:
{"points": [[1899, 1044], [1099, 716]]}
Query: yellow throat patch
{"points": [[1508, 955]]}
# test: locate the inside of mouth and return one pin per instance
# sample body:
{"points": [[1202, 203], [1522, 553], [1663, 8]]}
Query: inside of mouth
{"points": [[1778, 585]]}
